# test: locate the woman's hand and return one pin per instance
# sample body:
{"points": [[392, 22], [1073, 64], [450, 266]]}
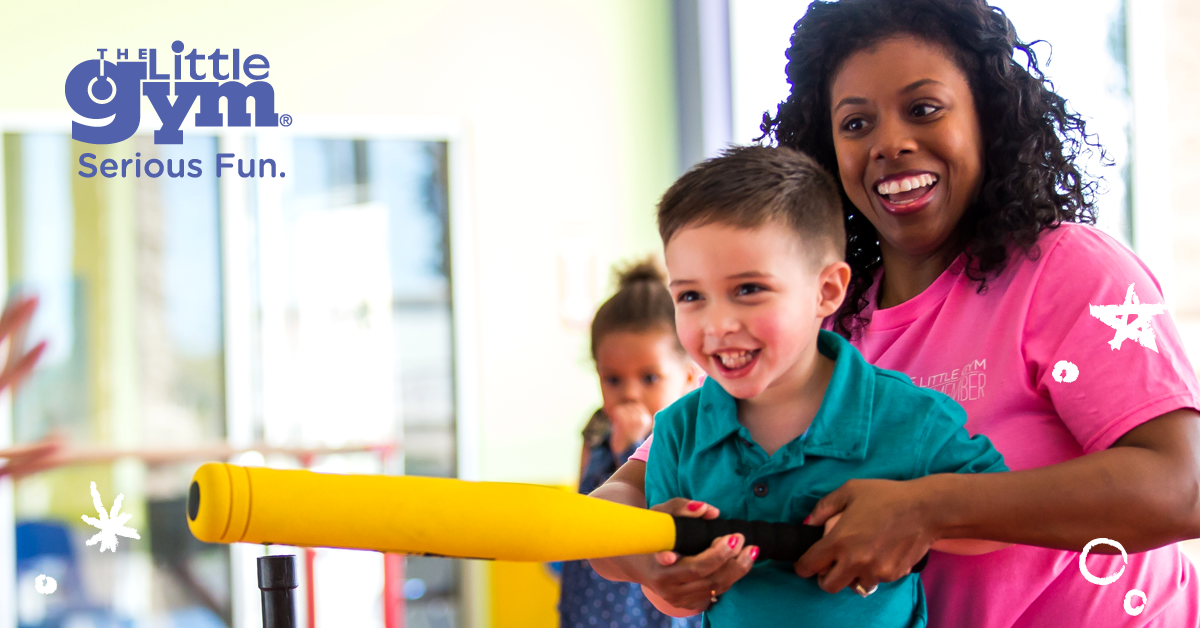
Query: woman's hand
{"points": [[882, 531], [631, 422], [832, 521], [690, 582]]}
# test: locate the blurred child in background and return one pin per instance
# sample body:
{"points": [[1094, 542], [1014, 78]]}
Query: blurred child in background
{"points": [[642, 369]]}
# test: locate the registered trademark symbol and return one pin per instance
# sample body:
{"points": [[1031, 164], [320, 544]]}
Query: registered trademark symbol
{"points": [[285, 120]]}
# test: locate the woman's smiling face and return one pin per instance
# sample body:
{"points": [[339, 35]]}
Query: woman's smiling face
{"points": [[908, 141]]}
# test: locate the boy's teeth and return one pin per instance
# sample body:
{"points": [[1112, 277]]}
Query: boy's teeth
{"points": [[735, 360], [906, 184]]}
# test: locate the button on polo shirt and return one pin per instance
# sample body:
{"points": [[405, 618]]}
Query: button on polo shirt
{"points": [[872, 423]]}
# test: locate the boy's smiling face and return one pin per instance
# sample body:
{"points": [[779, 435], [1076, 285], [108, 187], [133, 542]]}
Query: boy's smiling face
{"points": [[749, 304]]}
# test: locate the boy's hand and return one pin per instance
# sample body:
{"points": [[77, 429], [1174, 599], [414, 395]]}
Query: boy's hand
{"points": [[690, 582], [631, 422]]}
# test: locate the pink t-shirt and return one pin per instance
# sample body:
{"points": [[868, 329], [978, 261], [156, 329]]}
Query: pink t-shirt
{"points": [[1049, 369]]}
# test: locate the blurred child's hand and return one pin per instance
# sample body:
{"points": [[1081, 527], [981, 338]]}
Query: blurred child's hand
{"points": [[690, 582], [631, 422], [13, 325], [38, 456]]}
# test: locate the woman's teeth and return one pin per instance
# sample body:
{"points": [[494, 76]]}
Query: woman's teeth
{"points": [[906, 184], [734, 360]]}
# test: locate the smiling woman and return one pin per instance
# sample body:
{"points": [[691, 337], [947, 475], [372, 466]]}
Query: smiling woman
{"points": [[972, 107], [908, 139], [926, 94], [980, 279]]}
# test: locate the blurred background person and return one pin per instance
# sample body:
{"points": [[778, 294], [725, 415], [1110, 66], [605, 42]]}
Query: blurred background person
{"points": [[642, 369], [14, 324]]}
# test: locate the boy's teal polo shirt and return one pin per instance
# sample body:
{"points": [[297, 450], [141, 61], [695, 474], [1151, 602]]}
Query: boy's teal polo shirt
{"points": [[872, 423]]}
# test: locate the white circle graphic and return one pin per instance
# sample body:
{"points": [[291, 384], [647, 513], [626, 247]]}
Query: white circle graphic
{"points": [[1083, 564], [45, 584], [92, 94], [1065, 372], [1129, 608]]}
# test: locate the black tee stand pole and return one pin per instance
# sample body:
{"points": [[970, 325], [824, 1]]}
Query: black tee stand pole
{"points": [[277, 580]]}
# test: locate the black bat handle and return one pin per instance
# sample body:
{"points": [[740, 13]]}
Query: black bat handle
{"points": [[277, 580], [777, 541]]}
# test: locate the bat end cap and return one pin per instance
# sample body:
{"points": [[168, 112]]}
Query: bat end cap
{"points": [[193, 502]]}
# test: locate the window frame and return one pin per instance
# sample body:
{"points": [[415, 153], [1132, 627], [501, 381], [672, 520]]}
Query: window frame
{"points": [[238, 311]]}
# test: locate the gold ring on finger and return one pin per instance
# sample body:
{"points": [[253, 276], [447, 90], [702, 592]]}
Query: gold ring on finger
{"points": [[863, 592]]}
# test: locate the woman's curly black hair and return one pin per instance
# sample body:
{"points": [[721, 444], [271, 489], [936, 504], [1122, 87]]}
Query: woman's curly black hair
{"points": [[1030, 182]]}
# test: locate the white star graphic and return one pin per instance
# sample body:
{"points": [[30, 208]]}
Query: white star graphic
{"points": [[109, 527], [1118, 317]]}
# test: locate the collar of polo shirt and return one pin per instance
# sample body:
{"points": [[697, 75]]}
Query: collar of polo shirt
{"points": [[842, 424]]}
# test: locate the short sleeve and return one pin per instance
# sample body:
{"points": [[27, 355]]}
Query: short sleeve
{"points": [[643, 451], [947, 446], [1099, 342]]}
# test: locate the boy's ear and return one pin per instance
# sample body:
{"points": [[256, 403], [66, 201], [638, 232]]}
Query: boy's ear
{"points": [[833, 282]]}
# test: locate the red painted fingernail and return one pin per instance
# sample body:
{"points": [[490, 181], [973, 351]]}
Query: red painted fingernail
{"points": [[753, 553], [732, 541], [694, 506], [807, 519]]}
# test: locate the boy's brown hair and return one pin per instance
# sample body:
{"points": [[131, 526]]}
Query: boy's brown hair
{"points": [[749, 186]]}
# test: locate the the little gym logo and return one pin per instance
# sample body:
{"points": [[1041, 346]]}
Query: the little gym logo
{"points": [[111, 93]]}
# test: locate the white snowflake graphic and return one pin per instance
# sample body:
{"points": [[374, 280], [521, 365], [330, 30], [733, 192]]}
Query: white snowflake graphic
{"points": [[110, 525], [1119, 318]]}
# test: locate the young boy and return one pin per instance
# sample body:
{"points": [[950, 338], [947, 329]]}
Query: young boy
{"points": [[754, 244]]}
